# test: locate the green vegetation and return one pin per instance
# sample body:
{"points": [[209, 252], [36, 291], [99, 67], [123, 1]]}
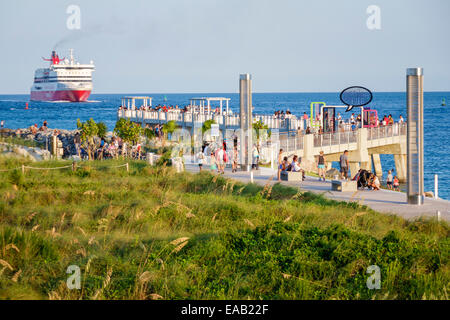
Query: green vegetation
{"points": [[207, 125], [88, 131], [128, 131], [152, 233], [258, 126]]}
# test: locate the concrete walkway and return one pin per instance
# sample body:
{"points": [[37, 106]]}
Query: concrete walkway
{"points": [[382, 201]]}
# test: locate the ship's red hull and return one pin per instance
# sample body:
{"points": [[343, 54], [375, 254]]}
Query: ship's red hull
{"points": [[63, 95]]}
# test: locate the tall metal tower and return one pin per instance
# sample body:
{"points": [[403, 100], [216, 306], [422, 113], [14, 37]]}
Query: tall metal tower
{"points": [[414, 104], [246, 118]]}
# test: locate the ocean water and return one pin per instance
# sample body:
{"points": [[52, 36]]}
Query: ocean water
{"points": [[102, 107]]}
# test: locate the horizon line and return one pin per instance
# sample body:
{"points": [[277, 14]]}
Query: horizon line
{"points": [[255, 92]]}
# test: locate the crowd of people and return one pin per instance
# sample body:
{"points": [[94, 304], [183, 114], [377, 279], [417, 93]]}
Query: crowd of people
{"points": [[217, 157], [280, 114], [366, 178], [102, 149], [173, 108], [284, 165]]}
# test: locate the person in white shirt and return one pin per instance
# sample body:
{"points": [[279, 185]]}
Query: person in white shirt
{"points": [[220, 153], [352, 118], [376, 183], [200, 158], [255, 154], [389, 180]]}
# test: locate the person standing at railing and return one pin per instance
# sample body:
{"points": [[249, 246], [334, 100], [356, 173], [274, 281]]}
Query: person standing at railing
{"points": [[400, 120], [390, 120]]}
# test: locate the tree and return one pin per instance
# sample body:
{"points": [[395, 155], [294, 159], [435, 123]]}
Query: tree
{"points": [[149, 133], [207, 125], [102, 130], [88, 131], [259, 125], [169, 127], [128, 131]]}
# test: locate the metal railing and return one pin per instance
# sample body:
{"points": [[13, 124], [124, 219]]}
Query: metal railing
{"points": [[291, 123], [291, 143], [394, 130], [335, 138]]}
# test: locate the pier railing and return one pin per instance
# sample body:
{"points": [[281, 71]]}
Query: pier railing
{"points": [[291, 143], [335, 138], [394, 130], [187, 118]]}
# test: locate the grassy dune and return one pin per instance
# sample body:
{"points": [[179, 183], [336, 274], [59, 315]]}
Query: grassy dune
{"points": [[151, 233]]}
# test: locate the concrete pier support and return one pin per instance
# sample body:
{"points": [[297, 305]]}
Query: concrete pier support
{"points": [[367, 165], [308, 147], [377, 165], [354, 168], [400, 166]]}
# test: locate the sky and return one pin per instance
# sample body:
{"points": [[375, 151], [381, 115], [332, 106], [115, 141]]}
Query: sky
{"points": [[201, 46]]}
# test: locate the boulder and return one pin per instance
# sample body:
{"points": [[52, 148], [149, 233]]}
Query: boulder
{"points": [[308, 165], [332, 172], [429, 194]]}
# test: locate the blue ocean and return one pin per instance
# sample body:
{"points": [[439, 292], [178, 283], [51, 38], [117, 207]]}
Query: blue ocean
{"points": [[102, 107]]}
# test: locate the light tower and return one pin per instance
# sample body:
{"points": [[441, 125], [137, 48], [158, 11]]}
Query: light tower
{"points": [[414, 104], [246, 118]]}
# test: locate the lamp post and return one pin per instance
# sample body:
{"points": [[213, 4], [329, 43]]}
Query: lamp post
{"points": [[414, 104]]}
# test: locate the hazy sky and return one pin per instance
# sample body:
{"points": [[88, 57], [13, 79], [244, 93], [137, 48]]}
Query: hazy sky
{"points": [[168, 46]]}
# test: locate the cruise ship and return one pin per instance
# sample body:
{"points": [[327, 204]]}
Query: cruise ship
{"points": [[65, 80]]}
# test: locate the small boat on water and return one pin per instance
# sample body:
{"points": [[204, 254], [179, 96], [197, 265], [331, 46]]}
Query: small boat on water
{"points": [[443, 104]]}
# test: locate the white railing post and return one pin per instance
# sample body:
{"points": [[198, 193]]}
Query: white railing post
{"points": [[436, 196], [271, 157]]}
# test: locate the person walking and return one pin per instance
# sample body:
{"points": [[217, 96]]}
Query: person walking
{"points": [[220, 160], [280, 164], [389, 180], [255, 156], [235, 160], [2, 124], [213, 162], [343, 161], [321, 166], [201, 158]]}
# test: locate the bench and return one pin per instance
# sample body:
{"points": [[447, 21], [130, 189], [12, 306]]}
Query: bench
{"points": [[343, 186], [291, 176]]}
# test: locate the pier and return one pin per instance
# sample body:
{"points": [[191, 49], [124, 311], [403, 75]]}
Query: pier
{"points": [[364, 144]]}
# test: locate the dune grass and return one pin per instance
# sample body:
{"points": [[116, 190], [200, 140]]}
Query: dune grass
{"points": [[151, 233]]}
